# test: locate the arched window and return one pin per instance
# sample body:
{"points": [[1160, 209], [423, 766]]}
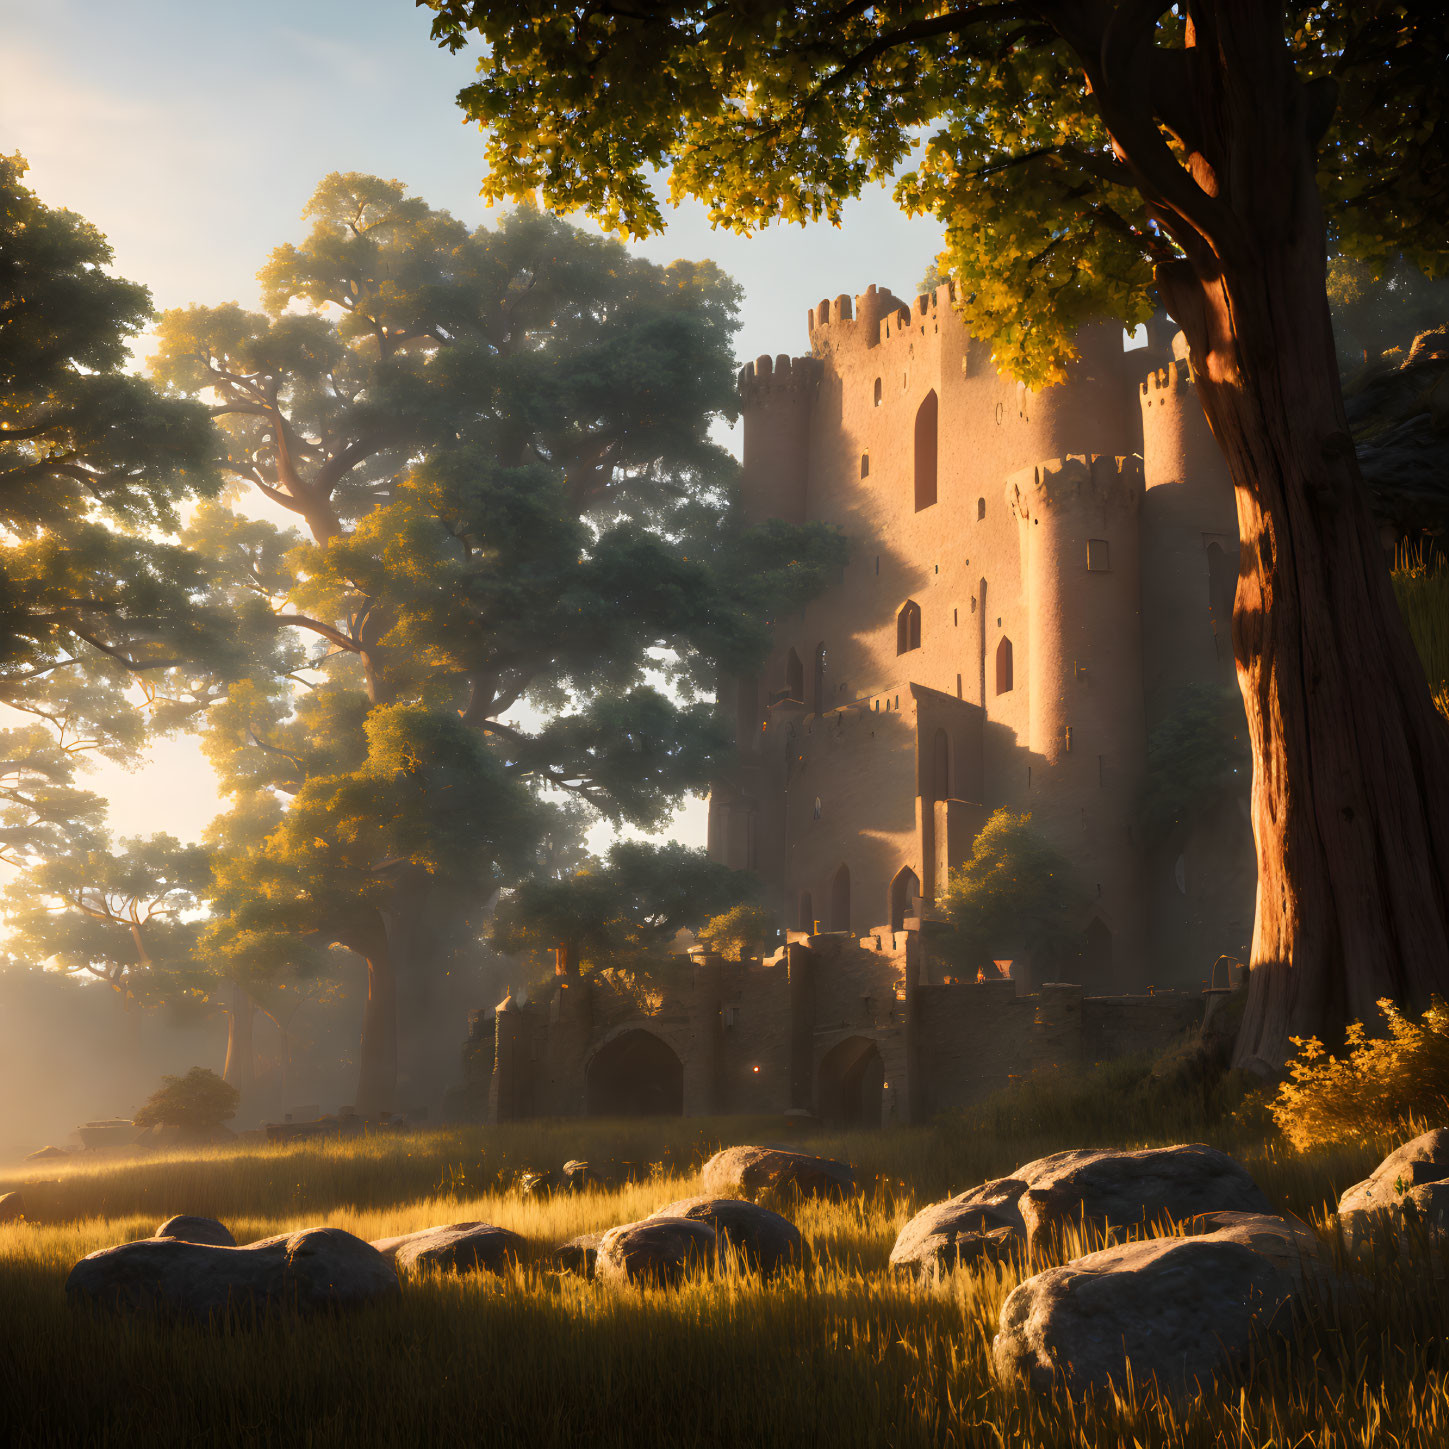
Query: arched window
{"points": [[941, 766], [905, 891], [877, 392], [1004, 673], [908, 627], [980, 509], [817, 692], [865, 465], [840, 900], [926, 427], [807, 912], [794, 677]]}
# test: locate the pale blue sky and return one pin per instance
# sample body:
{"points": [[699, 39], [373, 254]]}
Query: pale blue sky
{"points": [[192, 132]]}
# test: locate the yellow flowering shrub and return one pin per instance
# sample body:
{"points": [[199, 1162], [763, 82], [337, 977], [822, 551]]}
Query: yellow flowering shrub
{"points": [[1382, 1085]]}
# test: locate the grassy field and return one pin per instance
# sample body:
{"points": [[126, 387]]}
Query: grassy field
{"points": [[842, 1354]]}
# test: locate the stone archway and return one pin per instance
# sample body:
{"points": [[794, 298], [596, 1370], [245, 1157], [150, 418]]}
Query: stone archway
{"points": [[850, 1086], [905, 889], [634, 1075]]}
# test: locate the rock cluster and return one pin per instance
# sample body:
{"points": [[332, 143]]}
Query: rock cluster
{"points": [[319, 1269], [1097, 1191], [1216, 1276]]}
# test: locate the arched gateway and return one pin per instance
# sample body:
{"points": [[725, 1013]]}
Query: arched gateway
{"points": [[634, 1075], [851, 1084]]}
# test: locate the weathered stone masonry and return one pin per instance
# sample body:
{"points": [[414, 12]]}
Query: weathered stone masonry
{"points": [[1034, 579]]}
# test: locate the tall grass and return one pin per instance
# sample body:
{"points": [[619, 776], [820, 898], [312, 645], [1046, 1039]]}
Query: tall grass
{"points": [[1421, 585], [843, 1353]]}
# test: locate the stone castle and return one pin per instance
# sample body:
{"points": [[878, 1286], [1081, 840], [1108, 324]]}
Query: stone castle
{"points": [[1035, 579]]}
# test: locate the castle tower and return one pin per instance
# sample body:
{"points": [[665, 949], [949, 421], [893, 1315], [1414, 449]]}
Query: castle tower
{"points": [[1200, 877], [776, 397], [1189, 544], [1091, 411], [1078, 522]]}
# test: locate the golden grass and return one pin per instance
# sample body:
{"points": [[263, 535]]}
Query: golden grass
{"points": [[841, 1354]]}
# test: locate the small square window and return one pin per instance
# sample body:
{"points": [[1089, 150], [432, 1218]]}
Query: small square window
{"points": [[1099, 558]]}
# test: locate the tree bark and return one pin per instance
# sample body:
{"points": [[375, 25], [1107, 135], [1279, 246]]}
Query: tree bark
{"points": [[1350, 798], [377, 1063], [240, 1068]]}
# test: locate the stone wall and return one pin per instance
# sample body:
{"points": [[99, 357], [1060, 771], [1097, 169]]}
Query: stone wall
{"points": [[833, 1025]]}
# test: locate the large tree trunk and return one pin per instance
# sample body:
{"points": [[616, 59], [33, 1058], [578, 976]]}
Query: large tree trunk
{"points": [[240, 1068], [1351, 760], [377, 1064]]}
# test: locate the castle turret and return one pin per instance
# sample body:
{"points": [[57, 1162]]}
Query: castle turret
{"points": [[1189, 543], [776, 397], [1201, 874], [1091, 411], [1078, 522]]}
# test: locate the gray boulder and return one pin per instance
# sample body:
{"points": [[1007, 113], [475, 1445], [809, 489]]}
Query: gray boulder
{"points": [[578, 1255], [657, 1250], [196, 1230], [1287, 1243], [1179, 1311], [762, 1239], [12, 1207], [1379, 1198], [311, 1271], [1105, 1190], [456, 1248], [749, 1171], [982, 1223]]}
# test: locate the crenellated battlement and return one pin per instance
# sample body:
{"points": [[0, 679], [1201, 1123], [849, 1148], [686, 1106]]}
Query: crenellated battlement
{"points": [[1094, 479], [1175, 377], [874, 317], [767, 378]]}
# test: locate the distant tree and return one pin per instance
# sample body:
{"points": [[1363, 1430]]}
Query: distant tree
{"points": [[198, 1102], [43, 813], [744, 930], [97, 596], [1012, 897], [497, 443], [623, 911], [123, 915], [1089, 157]]}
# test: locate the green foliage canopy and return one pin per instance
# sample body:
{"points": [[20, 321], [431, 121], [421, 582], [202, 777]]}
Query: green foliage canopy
{"points": [[1011, 117], [625, 910], [96, 592]]}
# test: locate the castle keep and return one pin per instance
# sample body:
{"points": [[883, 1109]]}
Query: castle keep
{"points": [[1035, 578]]}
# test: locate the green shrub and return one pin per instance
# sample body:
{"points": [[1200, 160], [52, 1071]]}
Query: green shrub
{"points": [[743, 930], [1384, 1086], [199, 1101]]}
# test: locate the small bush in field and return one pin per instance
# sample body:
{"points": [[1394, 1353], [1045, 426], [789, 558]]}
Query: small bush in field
{"points": [[199, 1101], [1380, 1087]]}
